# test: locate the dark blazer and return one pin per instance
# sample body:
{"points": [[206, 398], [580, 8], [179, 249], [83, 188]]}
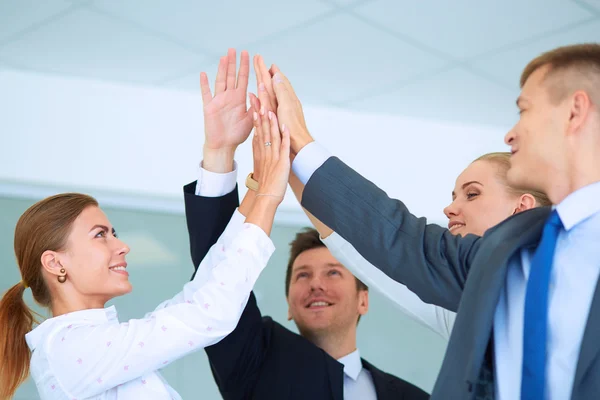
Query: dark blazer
{"points": [[435, 264], [261, 359]]}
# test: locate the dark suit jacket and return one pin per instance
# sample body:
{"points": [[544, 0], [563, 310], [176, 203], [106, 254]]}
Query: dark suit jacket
{"points": [[261, 359], [435, 264]]}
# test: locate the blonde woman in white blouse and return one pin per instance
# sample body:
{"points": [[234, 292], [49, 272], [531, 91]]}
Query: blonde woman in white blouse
{"points": [[70, 256], [481, 199]]}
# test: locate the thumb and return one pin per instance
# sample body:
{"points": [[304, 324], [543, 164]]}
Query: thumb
{"points": [[254, 102], [281, 90]]}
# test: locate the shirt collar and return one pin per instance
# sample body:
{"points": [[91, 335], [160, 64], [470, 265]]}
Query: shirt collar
{"points": [[579, 205], [352, 364], [94, 315]]}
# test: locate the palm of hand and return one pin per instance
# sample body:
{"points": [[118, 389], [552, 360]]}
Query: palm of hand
{"points": [[225, 119]]}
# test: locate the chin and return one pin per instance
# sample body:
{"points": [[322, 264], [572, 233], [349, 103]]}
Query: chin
{"points": [[312, 325], [516, 177], [123, 289]]}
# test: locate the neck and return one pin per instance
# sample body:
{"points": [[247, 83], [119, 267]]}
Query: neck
{"points": [[337, 344], [64, 304], [582, 170]]}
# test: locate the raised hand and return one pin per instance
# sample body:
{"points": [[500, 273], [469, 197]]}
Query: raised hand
{"points": [[266, 94], [271, 147], [289, 110], [227, 121]]}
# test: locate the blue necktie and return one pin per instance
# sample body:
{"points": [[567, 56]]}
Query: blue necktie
{"points": [[536, 312]]}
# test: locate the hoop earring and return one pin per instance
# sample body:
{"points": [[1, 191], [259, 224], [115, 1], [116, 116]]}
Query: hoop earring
{"points": [[62, 278]]}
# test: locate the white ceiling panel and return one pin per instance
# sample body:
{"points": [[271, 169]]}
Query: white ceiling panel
{"points": [[191, 81], [217, 25], [455, 95], [593, 5], [19, 16], [346, 3], [507, 66], [341, 57], [466, 28], [87, 44]]}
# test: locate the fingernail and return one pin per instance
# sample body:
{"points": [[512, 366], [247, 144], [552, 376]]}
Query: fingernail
{"points": [[277, 78], [255, 116], [261, 87], [283, 128], [270, 115], [262, 110]]}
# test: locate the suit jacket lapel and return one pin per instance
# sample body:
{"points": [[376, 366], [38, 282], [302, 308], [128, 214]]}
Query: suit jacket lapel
{"points": [[486, 281], [380, 381], [336, 377], [590, 345]]}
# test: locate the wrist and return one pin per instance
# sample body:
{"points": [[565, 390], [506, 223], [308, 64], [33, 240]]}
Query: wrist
{"points": [[219, 160], [267, 200], [297, 142]]}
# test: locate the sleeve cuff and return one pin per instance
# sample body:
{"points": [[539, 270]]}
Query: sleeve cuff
{"points": [[333, 241], [308, 160], [212, 184]]}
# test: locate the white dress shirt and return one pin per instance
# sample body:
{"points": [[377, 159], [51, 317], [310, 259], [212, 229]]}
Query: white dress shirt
{"points": [[434, 317], [358, 383], [575, 273], [574, 277], [88, 354]]}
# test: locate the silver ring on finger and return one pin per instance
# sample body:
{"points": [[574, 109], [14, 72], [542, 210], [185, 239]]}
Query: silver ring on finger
{"points": [[267, 144]]}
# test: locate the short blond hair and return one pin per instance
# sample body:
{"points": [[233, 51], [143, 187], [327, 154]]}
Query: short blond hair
{"points": [[570, 68], [502, 161]]}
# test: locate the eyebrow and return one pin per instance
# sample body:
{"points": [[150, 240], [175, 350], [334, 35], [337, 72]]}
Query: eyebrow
{"points": [[305, 267], [103, 227], [467, 184]]}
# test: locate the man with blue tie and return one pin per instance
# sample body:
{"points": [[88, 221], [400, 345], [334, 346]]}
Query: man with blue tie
{"points": [[528, 323]]}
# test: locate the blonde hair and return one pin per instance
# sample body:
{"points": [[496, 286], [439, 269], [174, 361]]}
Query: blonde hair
{"points": [[571, 68], [502, 161]]}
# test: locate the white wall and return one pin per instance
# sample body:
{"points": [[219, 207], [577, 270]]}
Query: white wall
{"points": [[105, 138]]}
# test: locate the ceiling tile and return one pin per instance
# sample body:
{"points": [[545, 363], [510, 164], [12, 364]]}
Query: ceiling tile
{"points": [[594, 4], [507, 66], [191, 81], [18, 16], [338, 58], [346, 3], [455, 95], [90, 45], [466, 28], [217, 25]]}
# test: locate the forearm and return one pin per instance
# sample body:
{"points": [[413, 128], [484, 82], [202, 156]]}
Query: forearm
{"points": [[263, 211], [247, 202], [298, 188], [434, 317]]}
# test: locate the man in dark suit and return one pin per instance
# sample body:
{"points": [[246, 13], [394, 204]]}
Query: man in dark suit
{"points": [[529, 313], [261, 359]]}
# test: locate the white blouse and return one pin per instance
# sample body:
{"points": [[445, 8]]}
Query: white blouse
{"points": [[436, 318], [90, 355]]}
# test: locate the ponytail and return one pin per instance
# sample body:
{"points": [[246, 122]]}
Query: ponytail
{"points": [[43, 226], [16, 319]]}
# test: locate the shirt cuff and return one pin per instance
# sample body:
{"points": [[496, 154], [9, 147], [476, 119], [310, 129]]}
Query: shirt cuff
{"points": [[308, 160], [213, 184]]}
